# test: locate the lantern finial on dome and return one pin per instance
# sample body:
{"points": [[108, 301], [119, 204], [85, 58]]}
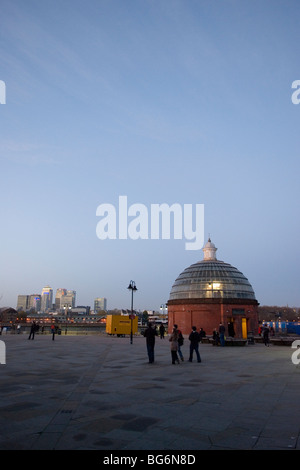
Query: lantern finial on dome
{"points": [[209, 251]]}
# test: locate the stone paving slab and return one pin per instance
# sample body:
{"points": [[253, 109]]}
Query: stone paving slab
{"points": [[100, 393]]}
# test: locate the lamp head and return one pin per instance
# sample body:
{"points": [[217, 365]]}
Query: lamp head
{"points": [[132, 286]]}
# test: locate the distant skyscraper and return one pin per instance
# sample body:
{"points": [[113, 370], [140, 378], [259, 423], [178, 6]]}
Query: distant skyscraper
{"points": [[34, 302], [68, 300], [59, 294], [29, 302], [46, 299], [22, 302], [100, 303]]}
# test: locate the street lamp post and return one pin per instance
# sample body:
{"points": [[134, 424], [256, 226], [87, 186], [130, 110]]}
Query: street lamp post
{"points": [[133, 288]]}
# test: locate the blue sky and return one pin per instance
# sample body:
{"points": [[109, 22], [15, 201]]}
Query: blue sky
{"points": [[163, 101]]}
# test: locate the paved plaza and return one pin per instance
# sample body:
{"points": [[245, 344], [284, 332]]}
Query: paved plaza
{"points": [[99, 392]]}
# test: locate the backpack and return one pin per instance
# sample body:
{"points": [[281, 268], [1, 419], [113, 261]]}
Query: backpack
{"points": [[180, 339]]}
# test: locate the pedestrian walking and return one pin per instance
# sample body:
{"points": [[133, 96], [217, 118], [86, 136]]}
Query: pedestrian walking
{"points": [[222, 334], [162, 331], [32, 330], [150, 333], [266, 332], [174, 345], [53, 331], [180, 343], [194, 344]]}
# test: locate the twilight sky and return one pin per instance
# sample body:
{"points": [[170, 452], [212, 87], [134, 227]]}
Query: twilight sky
{"points": [[162, 101]]}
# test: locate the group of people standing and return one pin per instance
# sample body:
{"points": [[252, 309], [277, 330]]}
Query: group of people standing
{"points": [[35, 328], [176, 339], [219, 334]]}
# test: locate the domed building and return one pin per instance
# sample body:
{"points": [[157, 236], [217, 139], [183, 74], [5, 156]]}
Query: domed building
{"points": [[211, 292]]}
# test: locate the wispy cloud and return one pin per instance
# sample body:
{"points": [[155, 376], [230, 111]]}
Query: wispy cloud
{"points": [[35, 51], [26, 152]]}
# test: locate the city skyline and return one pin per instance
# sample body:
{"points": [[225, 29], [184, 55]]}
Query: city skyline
{"points": [[64, 298], [190, 102]]}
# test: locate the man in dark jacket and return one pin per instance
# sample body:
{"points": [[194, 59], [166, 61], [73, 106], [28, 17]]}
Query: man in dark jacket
{"points": [[266, 332], [150, 334], [33, 330], [222, 334], [194, 345]]}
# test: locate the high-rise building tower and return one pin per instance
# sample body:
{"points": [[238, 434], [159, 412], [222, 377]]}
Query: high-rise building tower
{"points": [[68, 300], [34, 302], [22, 302], [29, 302], [100, 303], [59, 294], [46, 299]]}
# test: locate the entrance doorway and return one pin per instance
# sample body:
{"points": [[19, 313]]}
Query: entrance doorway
{"points": [[231, 327], [244, 328]]}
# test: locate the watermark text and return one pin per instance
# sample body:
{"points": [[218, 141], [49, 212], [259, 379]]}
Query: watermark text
{"points": [[296, 94], [2, 352], [295, 354], [137, 222], [2, 92]]}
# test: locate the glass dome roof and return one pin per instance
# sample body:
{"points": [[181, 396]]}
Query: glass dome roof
{"points": [[211, 278]]}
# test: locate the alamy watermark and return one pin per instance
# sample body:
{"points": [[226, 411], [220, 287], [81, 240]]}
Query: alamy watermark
{"points": [[2, 92], [295, 354], [137, 222], [296, 94], [2, 352]]}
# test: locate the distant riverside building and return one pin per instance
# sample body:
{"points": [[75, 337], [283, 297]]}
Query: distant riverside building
{"points": [[80, 310], [8, 316], [211, 292], [100, 303], [46, 299]]}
